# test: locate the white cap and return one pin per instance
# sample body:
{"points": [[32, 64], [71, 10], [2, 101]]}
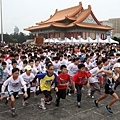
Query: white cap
{"points": [[28, 67], [116, 65]]}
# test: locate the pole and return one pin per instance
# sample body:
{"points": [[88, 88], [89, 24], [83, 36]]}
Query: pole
{"points": [[1, 22]]}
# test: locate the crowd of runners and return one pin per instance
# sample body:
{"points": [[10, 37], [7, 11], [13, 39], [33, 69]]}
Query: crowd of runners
{"points": [[63, 67]]}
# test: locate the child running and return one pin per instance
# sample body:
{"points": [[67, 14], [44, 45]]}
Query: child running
{"points": [[109, 87], [46, 81], [63, 82], [28, 77], [14, 84], [79, 79]]}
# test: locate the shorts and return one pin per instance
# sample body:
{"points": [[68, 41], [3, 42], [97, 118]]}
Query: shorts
{"points": [[108, 90], [61, 94], [13, 93]]}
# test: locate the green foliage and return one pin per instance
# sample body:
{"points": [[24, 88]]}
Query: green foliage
{"points": [[15, 38]]}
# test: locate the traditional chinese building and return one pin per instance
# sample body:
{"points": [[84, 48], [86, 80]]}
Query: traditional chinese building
{"points": [[71, 22]]}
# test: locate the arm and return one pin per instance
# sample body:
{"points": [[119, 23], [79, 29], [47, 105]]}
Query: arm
{"points": [[39, 76], [107, 72], [56, 82], [23, 83], [3, 88]]}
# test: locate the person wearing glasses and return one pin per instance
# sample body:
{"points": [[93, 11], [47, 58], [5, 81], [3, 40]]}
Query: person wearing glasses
{"points": [[46, 81]]}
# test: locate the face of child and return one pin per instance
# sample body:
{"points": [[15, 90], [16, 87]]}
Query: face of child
{"points": [[37, 63], [4, 66], [15, 74], [77, 62], [28, 72], [64, 70], [50, 69], [31, 64], [88, 60], [117, 69], [14, 65], [100, 66], [82, 69]]}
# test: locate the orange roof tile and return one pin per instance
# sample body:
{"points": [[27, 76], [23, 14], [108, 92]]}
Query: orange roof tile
{"points": [[38, 27], [94, 26], [77, 14], [62, 14], [83, 15]]}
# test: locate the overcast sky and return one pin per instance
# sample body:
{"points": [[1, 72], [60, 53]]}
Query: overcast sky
{"points": [[25, 13]]}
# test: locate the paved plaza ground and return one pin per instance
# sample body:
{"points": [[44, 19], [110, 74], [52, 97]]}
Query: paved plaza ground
{"points": [[68, 109]]}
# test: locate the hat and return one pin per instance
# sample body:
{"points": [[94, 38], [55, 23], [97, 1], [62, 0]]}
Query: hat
{"points": [[28, 67], [116, 65]]}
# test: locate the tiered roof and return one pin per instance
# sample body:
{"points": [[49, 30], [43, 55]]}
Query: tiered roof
{"points": [[77, 15]]}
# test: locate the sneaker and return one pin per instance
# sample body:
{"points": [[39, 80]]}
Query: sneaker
{"points": [[108, 109], [83, 88], [57, 104], [92, 97], [48, 103], [78, 104], [6, 101], [17, 96], [13, 111], [96, 104], [42, 105], [69, 94], [23, 103]]}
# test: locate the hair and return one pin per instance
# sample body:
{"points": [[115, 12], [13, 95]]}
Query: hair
{"points": [[4, 63], [25, 62], [14, 61], [62, 66], [16, 55], [14, 70], [104, 60], [81, 66], [118, 60], [49, 65], [76, 59], [99, 62], [31, 61], [36, 60]]}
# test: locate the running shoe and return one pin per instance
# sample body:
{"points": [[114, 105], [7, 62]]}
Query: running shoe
{"points": [[108, 109], [95, 103]]}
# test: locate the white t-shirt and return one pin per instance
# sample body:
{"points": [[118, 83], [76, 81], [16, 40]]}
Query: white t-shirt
{"points": [[62, 62], [10, 70], [107, 67], [94, 71], [72, 69], [43, 69], [34, 71], [27, 78], [89, 66], [14, 85], [56, 67]]}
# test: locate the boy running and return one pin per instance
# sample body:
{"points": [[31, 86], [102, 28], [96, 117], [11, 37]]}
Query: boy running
{"points": [[46, 81], [79, 79], [14, 84], [28, 78], [63, 82]]}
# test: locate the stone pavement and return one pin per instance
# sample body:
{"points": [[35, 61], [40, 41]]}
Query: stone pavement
{"points": [[68, 109]]}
